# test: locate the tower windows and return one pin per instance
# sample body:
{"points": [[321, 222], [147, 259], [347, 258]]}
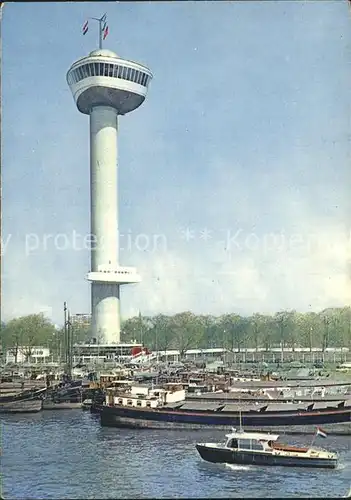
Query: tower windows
{"points": [[139, 77], [107, 70], [85, 71], [124, 73]]}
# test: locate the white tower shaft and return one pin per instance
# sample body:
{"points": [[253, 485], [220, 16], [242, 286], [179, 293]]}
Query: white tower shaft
{"points": [[105, 297], [103, 178]]}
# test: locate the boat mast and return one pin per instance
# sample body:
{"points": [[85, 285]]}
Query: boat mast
{"points": [[240, 416], [240, 421], [314, 437], [1, 249]]}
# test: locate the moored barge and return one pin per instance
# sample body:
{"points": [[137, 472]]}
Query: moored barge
{"points": [[160, 409], [22, 406]]}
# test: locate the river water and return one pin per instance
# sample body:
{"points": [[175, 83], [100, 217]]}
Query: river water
{"points": [[67, 454]]}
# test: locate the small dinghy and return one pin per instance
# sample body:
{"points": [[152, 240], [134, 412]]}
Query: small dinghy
{"points": [[263, 449]]}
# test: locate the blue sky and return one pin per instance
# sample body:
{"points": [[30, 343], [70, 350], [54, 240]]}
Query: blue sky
{"points": [[236, 167]]}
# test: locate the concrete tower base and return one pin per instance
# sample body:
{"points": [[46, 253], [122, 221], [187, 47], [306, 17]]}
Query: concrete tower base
{"points": [[105, 307]]}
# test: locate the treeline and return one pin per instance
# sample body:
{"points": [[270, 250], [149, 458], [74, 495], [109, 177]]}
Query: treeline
{"points": [[182, 331], [329, 328], [21, 335]]}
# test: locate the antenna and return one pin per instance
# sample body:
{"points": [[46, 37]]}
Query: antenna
{"points": [[1, 245], [240, 416], [103, 27], [240, 421]]}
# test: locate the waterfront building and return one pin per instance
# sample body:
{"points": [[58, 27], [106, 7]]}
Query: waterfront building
{"points": [[85, 353], [100, 353], [26, 354]]}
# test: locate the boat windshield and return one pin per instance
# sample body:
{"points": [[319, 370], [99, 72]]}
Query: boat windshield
{"points": [[232, 443], [245, 444]]}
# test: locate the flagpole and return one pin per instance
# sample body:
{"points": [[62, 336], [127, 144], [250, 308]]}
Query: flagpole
{"points": [[100, 33], [103, 28], [313, 439], [1, 249]]}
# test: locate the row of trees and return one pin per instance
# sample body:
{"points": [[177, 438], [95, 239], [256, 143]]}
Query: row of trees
{"points": [[182, 331], [24, 333], [330, 328]]}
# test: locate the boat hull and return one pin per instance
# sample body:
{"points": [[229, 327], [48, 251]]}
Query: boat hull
{"points": [[121, 416], [96, 408], [65, 405], [23, 406], [22, 396], [242, 457]]}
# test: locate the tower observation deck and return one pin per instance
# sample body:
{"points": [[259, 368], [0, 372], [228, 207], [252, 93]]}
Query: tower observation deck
{"points": [[105, 86]]}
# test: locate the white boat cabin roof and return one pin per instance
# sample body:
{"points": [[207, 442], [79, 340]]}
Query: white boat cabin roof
{"points": [[255, 436]]}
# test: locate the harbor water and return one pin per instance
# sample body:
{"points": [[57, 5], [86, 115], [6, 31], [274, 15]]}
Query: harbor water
{"points": [[67, 454]]}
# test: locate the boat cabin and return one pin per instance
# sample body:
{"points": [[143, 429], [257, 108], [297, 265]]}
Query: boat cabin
{"points": [[240, 440], [146, 397]]}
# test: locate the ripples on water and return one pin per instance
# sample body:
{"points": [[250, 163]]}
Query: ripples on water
{"points": [[66, 454]]}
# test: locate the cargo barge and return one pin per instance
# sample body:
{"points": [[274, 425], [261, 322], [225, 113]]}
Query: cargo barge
{"points": [[162, 409]]}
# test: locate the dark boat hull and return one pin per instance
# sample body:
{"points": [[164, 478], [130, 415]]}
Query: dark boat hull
{"points": [[96, 408], [23, 396], [121, 416], [23, 406], [242, 457]]}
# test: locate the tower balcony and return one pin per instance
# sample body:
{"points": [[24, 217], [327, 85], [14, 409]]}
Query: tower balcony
{"points": [[121, 275]]}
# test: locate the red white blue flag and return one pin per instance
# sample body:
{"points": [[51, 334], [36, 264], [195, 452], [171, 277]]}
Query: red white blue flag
{"points": [[85, 28], [104, 27]]}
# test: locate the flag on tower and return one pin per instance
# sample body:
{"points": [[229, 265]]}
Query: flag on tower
{"points": [[105, 33], [321, 432], [85, 28]]}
